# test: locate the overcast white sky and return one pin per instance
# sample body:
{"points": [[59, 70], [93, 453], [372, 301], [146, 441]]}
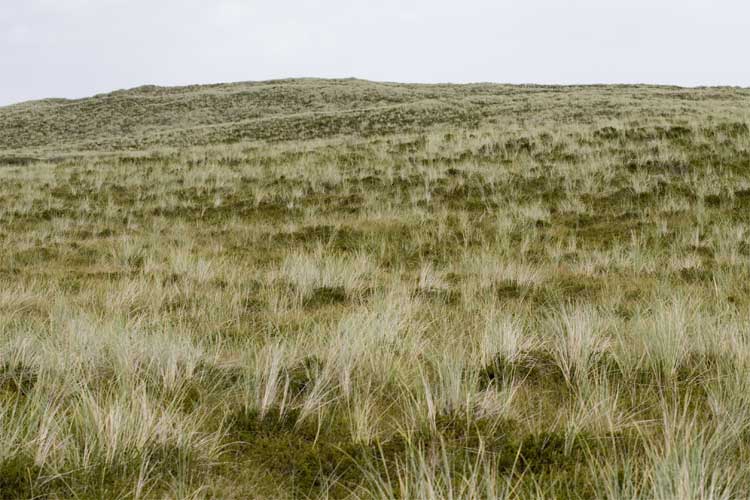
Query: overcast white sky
{"points": [[75, 48]]}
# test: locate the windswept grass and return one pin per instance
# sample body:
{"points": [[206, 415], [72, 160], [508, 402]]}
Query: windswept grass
{"points": [[343, 289]]}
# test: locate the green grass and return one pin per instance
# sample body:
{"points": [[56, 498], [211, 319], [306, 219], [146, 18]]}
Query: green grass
{"points": [[327, 289]]}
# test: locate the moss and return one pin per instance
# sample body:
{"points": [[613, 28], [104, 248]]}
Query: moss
{"points": [[536, 367], [303, 375], [600, 230], [538, 456], [508, 290], [117, 479], [695, 275], [542, 451], [566, 287], [326, 296], [308, 457], [461, 431], [713, 200], [301, 455], [341, 238], [18, 478]]}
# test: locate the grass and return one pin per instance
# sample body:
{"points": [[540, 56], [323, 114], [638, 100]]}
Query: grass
{"points": [[347, 289]]}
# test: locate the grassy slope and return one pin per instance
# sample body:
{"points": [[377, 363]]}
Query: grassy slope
{"points": [[309, 109], [311, 287]]}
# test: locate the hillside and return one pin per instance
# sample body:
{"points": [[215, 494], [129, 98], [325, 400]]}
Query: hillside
{"points": [[347, 289], [149, 116]]}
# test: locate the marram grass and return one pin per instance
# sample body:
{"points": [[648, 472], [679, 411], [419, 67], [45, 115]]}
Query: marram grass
{"points": [[343, 289]]}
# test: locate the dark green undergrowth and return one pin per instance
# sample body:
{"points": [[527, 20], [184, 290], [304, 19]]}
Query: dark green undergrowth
{"points": [[314, 457]]}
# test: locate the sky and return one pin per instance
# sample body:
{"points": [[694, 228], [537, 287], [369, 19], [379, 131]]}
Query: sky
{"points": [[77, 48]]}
